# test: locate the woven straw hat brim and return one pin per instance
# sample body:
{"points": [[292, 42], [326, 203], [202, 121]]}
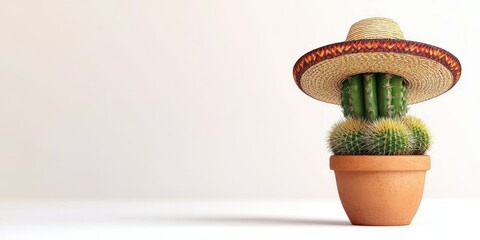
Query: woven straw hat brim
{"points": [[429, 70]]}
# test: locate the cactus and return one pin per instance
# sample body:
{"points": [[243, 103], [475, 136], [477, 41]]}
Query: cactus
{"points": [[388, 136], [392, 95], [375, 105], [370, 96], [374, 95], [352, 96], [347, 137], [421, 135], [405, 98]]}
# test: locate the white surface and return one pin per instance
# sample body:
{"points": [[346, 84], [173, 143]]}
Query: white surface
{"points": [[196, 99], [436, 219]]}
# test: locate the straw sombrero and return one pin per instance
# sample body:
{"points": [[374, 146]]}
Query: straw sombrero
{"points": [[377, 45]]}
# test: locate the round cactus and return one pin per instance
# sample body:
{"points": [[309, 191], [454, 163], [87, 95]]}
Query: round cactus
{"points": [[388, 136], [347, 137], [421, 135]]}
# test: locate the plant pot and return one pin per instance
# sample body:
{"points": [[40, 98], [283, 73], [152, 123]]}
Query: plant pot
{"points": [[380, 190]]}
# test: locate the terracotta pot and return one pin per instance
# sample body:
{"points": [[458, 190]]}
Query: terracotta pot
{"points": [[380, 190]]}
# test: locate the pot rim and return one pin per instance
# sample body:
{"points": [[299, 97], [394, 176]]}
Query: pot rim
{"points": [[380, 162]]}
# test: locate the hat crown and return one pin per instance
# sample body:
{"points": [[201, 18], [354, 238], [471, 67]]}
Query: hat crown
{"points": [[375, 28]]}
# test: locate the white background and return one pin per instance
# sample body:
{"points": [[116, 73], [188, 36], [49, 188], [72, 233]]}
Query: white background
{"points": [[196, 99]]}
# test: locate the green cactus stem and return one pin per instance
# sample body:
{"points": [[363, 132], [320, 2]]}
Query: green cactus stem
{"points": [[421, 135], [392, 95], [352, 96], [347, 137], [384, 93], [388, 136], [346, 104], [370, 96], [397, 95], [405, 98]]}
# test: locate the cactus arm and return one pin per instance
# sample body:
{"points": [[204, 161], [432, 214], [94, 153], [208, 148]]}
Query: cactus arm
{"points": [[370, 96], [405, 98], [397, 95], [346, 105], [352, 96], [356, 95], [384, 94]]}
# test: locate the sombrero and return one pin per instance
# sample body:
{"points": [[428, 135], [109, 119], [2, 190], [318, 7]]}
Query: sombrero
{"points": [[377, 45]]}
